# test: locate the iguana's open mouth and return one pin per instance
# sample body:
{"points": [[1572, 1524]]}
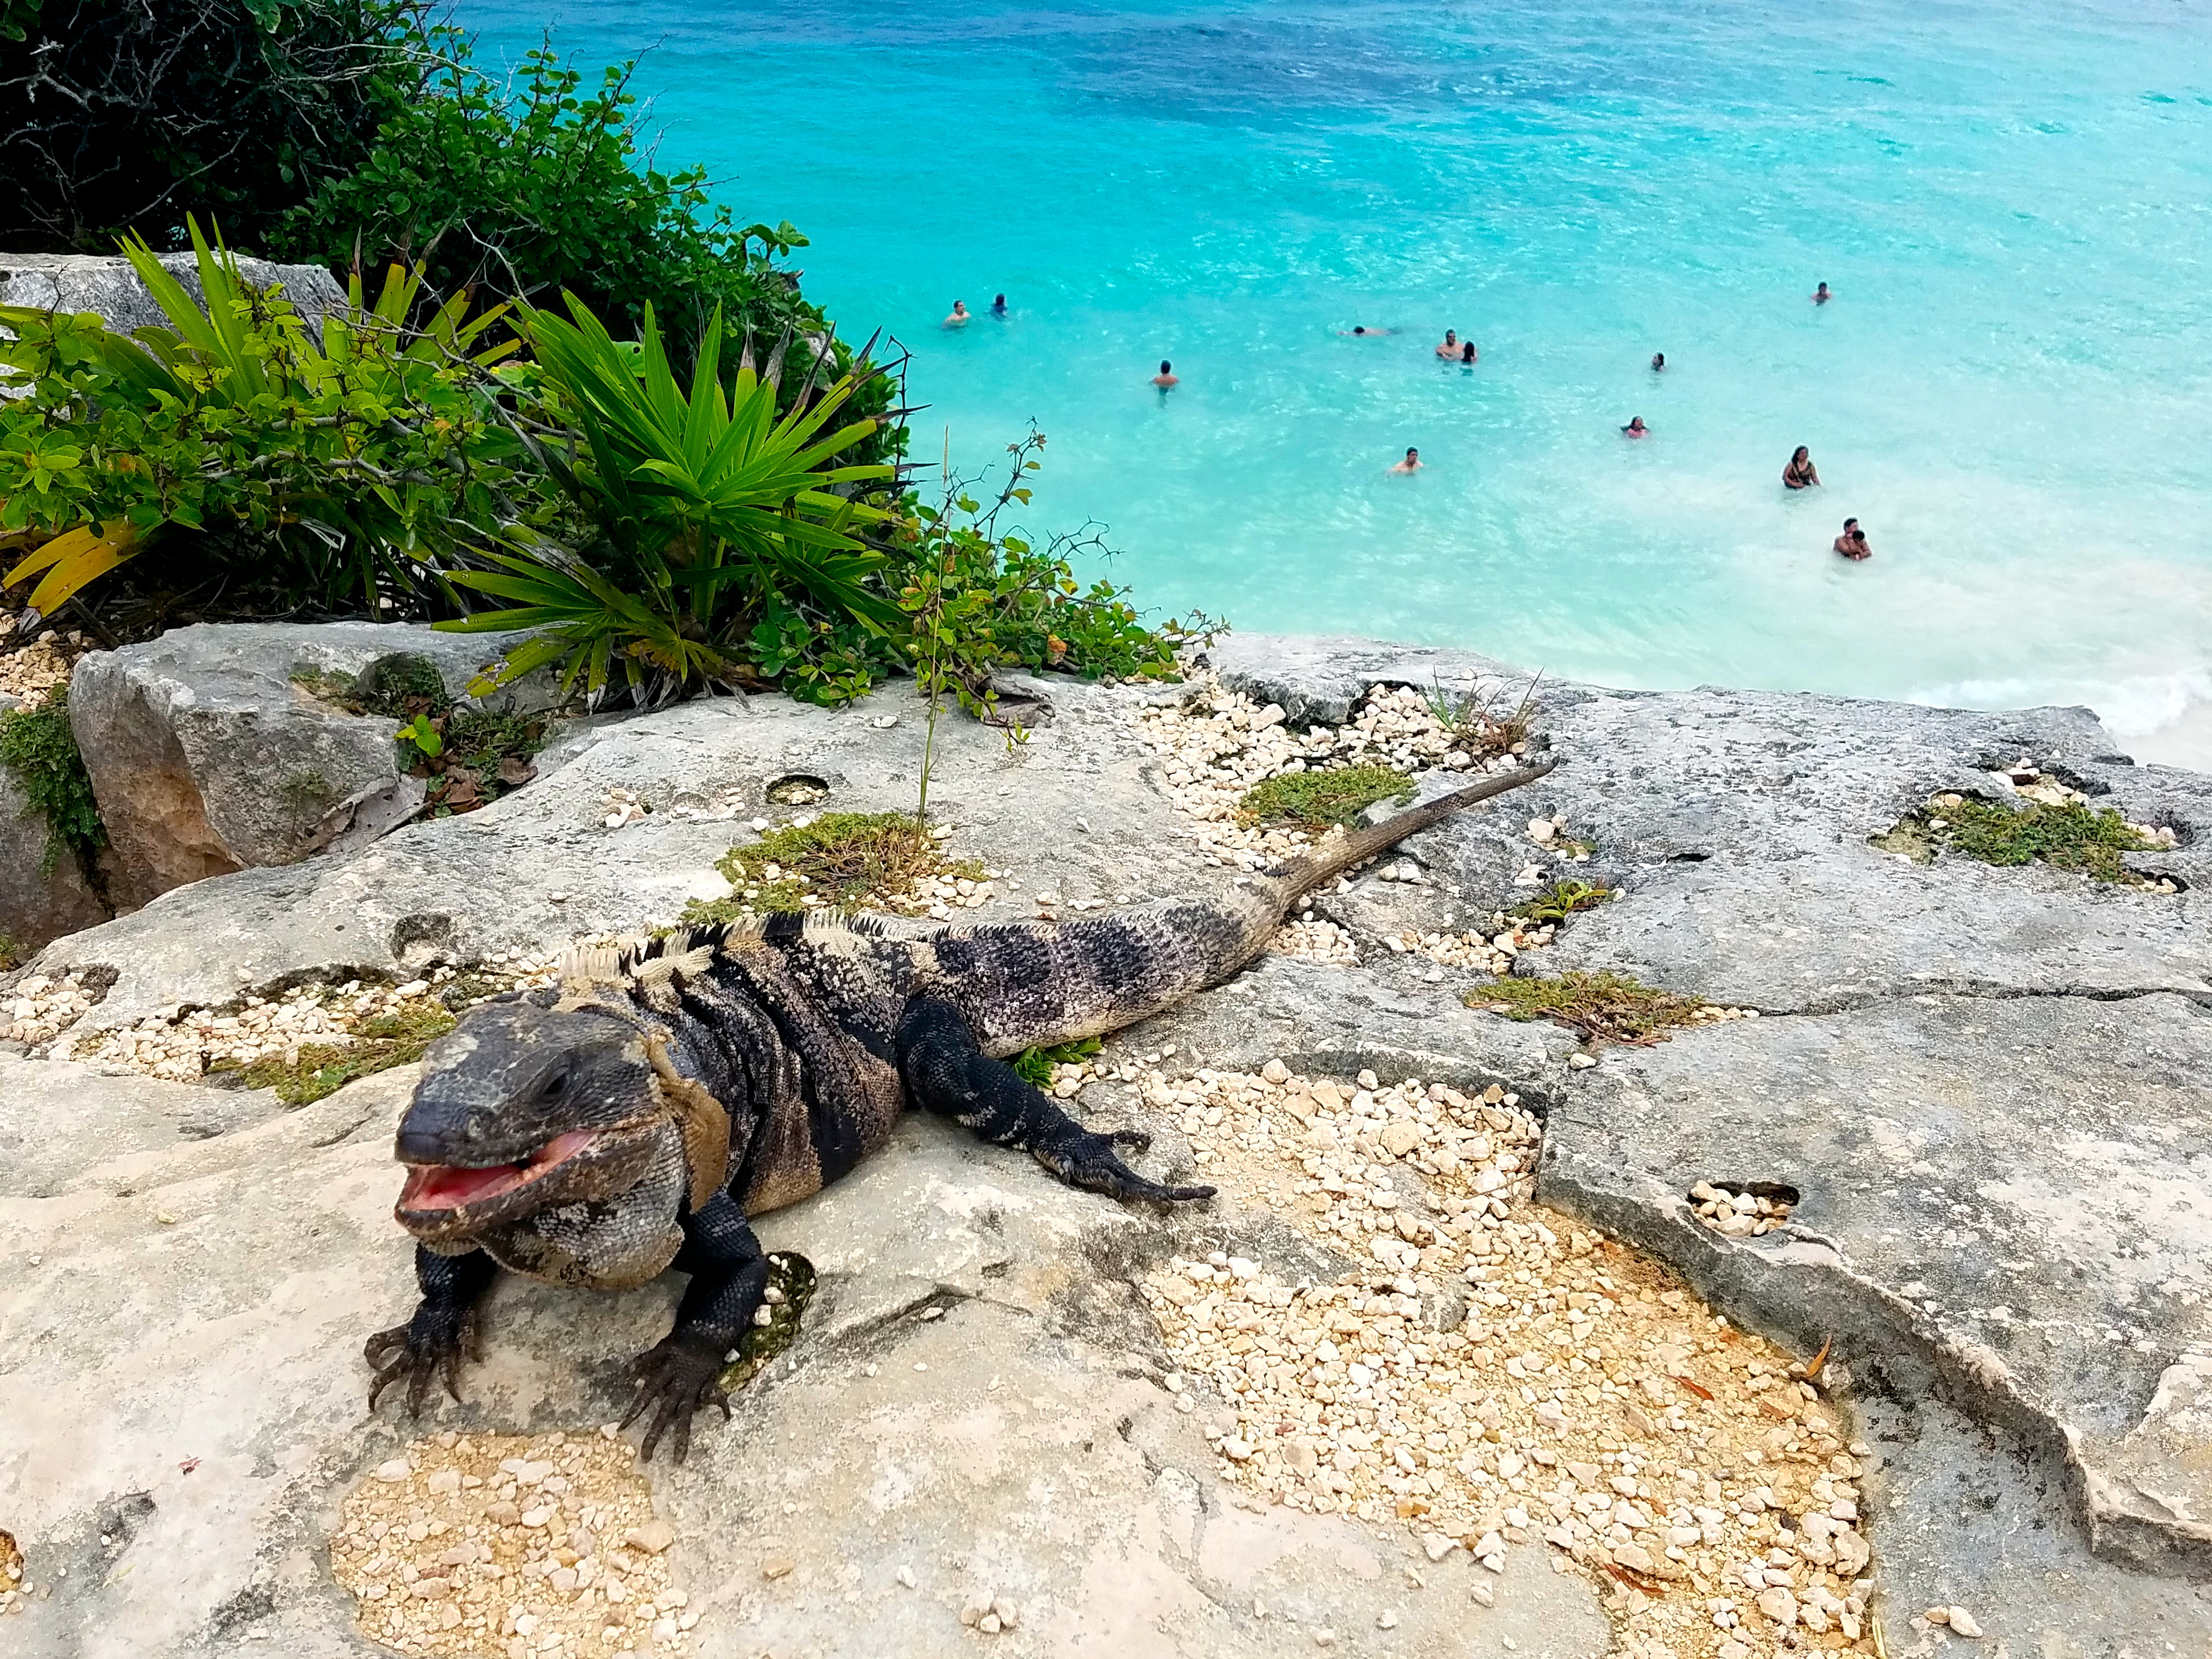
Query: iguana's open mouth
{"points": [[447, 1187]]}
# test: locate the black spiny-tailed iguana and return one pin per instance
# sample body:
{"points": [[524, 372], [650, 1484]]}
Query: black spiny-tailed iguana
{"points": [[673, 1089]]}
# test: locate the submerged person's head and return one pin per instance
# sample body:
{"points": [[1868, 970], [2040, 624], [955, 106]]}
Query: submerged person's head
{"points": [[1658, 360], [1801, 455], [1851, 527], [1466, 352], [1166, 368], [1452, 337], [1413, 454]]}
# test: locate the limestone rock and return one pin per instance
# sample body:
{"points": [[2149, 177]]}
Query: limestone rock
{"points": [[208, 754], [105, 284]]}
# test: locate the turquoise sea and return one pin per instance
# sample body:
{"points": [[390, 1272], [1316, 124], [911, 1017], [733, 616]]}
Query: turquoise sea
{"points": [[2012, 200]]}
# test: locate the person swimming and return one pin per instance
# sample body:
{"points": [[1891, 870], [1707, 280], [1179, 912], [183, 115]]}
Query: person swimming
{"points": [[959, 319], [1411, 463], [1658, 363], [1852, 544], [1820, 294], [1636, 428], [1467, 354], [1166, 376], [1801, 473], [1450, 347], [1362, 331], [999, 305]]}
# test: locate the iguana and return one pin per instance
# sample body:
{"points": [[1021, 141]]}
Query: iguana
{"points": [[633, 1121]]}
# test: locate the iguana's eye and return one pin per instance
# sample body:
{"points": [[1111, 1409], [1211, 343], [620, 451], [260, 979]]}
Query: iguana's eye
{"points": [[555, 1085]]}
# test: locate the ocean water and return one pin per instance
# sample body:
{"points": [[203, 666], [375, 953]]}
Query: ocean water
{"points": [[2012, 389]]}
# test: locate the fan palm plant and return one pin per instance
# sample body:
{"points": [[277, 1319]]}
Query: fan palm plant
{"points": [[240, 364], [695, 509]]}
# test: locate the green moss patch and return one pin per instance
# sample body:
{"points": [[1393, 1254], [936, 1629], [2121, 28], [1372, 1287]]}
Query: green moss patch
{"points": [[2089, 842], [37, 746], [1602, 1006], [840, 860], [324, 1069], [1321, 801], [791, 1284], [1562, 899]]}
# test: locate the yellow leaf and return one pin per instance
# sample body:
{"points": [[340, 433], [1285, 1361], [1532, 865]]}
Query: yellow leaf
{"points": [[74, 558]]}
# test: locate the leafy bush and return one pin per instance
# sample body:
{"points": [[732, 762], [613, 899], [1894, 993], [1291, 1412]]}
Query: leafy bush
{"points": [[972, 597], [120, 118], [36, 745], [289, 472], [534, 188]]}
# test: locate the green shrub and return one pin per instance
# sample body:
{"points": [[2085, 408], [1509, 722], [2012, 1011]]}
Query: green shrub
{"points": [[1562, 899], [126, 118], [37, 745], [1321, 801]]}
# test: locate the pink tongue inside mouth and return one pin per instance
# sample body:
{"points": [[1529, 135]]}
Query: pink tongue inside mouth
{"points": [[445, 1186]]}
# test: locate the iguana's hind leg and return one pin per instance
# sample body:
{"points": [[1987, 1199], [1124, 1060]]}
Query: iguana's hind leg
{"points": [[430, 1347], [947, 1074]]}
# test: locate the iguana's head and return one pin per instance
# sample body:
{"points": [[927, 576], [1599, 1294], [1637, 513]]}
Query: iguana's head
{"points": [[523, 1108]]}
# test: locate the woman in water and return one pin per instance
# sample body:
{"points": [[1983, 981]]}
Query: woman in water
{"points": [[1636, 428], [1801, 473], [1467, 353]]}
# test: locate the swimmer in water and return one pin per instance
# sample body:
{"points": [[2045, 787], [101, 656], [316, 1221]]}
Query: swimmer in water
{"points": [[1360, 331], [1658, 363], [1820, 294], [1450, 347], [1411, 463], [959, 319], [1801, 473], [1467, 354], [999, 305], [1167, 377], [1852, 544], [1636, 428]]}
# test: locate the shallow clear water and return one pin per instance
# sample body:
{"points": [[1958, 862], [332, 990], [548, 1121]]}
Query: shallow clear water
{"points": [[2012, 200]]}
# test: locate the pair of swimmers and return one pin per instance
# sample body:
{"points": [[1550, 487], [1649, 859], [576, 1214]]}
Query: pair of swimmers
{"points": [[961, 316], [1801, 474]]}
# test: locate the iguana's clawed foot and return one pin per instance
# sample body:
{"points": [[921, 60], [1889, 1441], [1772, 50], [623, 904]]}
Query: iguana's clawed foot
{"points": [[429, 1348], [676, 1377], [1088, 1161]]}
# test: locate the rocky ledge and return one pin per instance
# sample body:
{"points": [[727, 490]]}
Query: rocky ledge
{"points": [[1468, 1355]]}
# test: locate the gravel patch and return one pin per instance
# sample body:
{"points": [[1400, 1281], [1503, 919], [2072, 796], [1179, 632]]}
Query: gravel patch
{"points": [[1495, 1377], [468, 1545]]}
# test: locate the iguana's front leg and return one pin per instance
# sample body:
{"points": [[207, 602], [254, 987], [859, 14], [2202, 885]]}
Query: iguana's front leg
{"points": [[678, 1375], [444, 1328], [948, 1074]]}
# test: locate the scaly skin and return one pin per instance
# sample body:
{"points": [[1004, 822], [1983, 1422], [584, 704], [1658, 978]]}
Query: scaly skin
{"points": [[570, 1138]]}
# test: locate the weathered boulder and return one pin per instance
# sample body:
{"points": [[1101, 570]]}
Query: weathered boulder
{"points": [[105, 285], [975, 1398], [2002, 1197], [209, 750], [38, 902]]}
